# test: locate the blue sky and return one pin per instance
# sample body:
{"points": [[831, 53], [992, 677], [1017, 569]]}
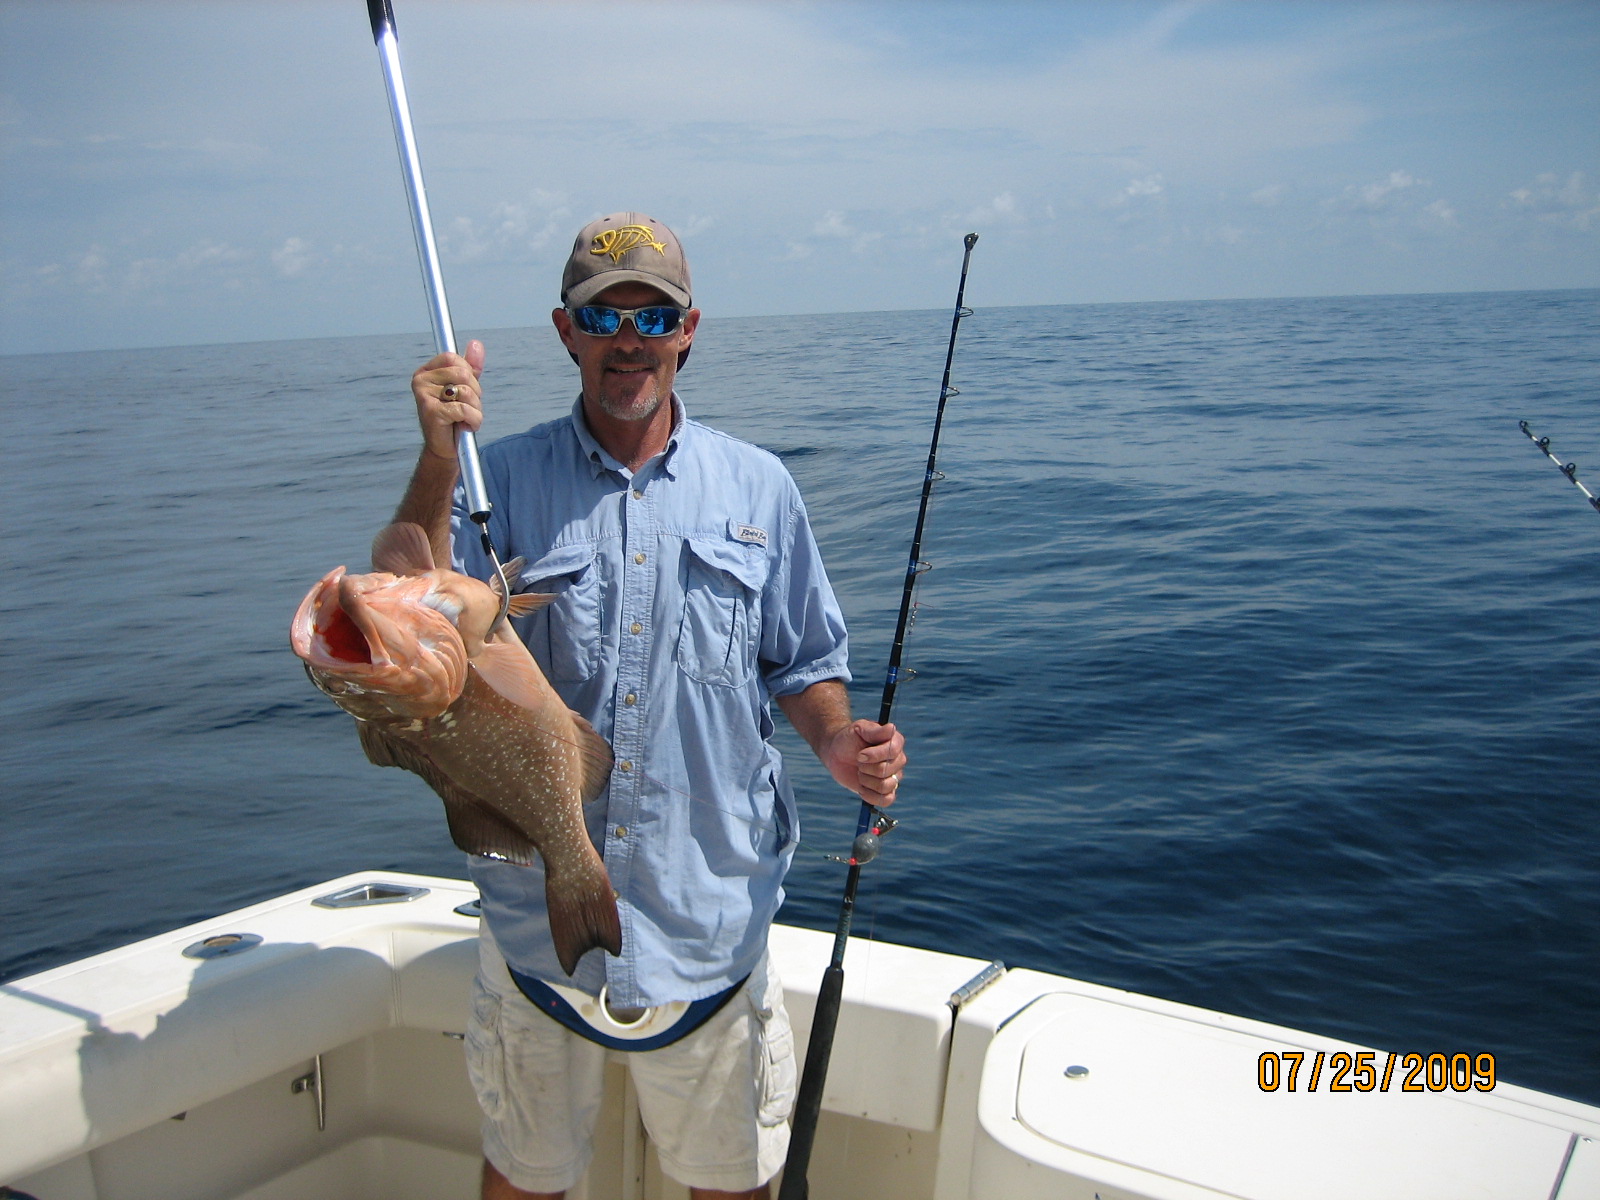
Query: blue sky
{"points": [[177, 173]]}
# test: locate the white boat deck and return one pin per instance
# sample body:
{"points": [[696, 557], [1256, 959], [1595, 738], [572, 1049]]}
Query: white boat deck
{"points": [[325, 1062]]}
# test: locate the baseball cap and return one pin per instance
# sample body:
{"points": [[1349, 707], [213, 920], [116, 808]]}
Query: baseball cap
{"points": [[625, 247]]}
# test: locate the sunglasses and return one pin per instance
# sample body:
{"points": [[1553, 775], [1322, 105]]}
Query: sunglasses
{"points": [[657, 320]]}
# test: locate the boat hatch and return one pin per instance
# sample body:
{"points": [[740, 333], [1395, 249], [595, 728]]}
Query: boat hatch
{"points": [[1180, 1101], [472, 908], [370, 893]]}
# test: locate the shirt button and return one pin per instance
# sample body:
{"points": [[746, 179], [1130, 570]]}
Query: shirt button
{"points": [[639, 558], [637, 494], [636, 628], [622, 831], [625, 765], [630, 699]]}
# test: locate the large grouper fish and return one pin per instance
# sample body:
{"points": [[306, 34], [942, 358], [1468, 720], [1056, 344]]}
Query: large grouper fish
{"points": [[440, 685]]}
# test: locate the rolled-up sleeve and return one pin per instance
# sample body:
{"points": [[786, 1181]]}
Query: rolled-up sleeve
{"points": [[803, 638]]}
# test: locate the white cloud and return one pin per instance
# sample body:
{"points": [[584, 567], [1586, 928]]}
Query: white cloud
{"points": [[510, 231], [1563, 203], [833, 225], [1144, 195], [695, 226], [1382, 193], [88, 272], [98, 271], [1002, 210], [1444, 212], [293, 257]]}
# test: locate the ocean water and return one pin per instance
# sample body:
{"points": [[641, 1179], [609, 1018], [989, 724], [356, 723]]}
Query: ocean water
{"points": [[1258, 669]]}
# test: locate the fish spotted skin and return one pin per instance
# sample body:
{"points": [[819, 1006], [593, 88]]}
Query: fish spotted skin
{"points": [[441, 687]]}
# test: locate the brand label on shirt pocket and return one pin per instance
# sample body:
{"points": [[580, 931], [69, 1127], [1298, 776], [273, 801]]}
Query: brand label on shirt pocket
{"points": [[723, 580]]}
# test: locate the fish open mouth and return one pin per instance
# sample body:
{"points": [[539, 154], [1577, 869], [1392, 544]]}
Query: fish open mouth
{"points": [[374, 640], [342, 638], [325, 633]]}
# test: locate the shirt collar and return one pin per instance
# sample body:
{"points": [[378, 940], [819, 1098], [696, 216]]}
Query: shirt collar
{"points": [[600, 459]]}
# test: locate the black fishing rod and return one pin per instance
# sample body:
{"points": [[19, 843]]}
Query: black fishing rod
{"points": [[444, 338], [1570, 470], [874, 822]]}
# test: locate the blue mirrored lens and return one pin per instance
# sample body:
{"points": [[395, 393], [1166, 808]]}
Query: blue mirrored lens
{"points": [[596, 321], [655, 322]]}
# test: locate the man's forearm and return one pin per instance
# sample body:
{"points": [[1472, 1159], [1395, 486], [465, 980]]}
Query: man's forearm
{"points": [[427, 502], [819, 712], [862, 756]]}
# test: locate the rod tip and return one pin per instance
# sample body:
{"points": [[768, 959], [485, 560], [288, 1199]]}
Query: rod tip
{"points": [[971, 239]]}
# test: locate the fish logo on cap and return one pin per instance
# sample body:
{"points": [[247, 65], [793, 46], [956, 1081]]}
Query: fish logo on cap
{"points": [[617, 242]]}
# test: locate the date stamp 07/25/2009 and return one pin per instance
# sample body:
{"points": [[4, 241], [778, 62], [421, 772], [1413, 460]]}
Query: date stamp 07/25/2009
{"points": [[1295, 1070]]}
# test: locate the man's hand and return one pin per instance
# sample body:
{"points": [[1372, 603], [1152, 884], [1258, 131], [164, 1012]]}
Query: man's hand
{"points": [[867, 758], [863, 756], [447, 393]]}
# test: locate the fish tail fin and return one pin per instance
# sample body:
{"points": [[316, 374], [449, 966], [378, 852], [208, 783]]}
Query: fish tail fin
{"points": [[583, 911]]}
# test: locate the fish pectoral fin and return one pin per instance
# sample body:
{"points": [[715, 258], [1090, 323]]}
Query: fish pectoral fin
{"points": [[528, 602], [507, 579], [402, 549], [594, 752], [582, 909], [385, 751], [509, 669], [474, 826]]}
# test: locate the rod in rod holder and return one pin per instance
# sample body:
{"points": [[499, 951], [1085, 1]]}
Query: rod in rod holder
{"points": [[1570, 469], [871, 826]]}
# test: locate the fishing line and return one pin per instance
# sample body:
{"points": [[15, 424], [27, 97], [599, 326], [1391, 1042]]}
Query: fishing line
{"points": [[873, 823], [444, 338], [1570, 470]]}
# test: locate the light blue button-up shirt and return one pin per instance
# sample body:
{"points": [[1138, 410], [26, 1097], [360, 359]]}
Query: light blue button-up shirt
{"points": [[690, 594]]}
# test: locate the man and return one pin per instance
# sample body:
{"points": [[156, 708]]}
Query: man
{"points": [[690, 594]]}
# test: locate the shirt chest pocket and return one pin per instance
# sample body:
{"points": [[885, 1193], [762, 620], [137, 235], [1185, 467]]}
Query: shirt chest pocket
{"points": [[722, 584], [564, 636]]}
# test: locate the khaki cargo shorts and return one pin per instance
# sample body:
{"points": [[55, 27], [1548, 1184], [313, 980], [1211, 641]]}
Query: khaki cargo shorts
{"points": [[716, 1104]]}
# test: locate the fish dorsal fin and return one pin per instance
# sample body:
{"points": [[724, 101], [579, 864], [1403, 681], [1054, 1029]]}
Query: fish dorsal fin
{"points": [[595, 755], [402, 549], [509, 669]]}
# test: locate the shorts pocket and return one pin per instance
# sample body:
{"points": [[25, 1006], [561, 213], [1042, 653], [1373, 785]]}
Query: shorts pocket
{"points": [[777, 1073], [564, 636], [486, 1059], [722, 587]]}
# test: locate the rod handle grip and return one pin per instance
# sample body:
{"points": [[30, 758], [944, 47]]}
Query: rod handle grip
{"points": [[808, 1105]]}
